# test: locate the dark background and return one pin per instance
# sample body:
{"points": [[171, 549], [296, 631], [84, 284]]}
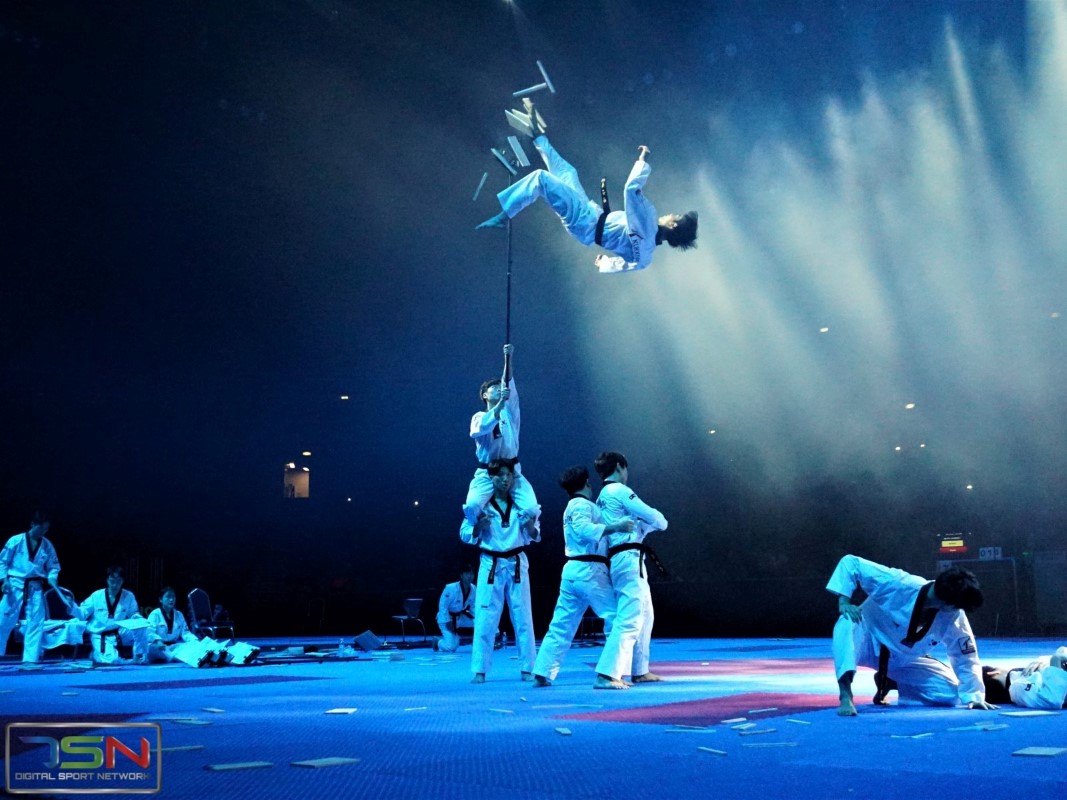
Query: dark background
{"points": [[220, 217]]}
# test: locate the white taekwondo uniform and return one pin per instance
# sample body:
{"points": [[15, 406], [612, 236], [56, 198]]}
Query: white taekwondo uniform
{"points": [[630, 234], [25, 577], [457, 609], [503, 572], [104, 634], [895, 618], [585, 582], [494, 439], [1043, 688], [626, 651]]}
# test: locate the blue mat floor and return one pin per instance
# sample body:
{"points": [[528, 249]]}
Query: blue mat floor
{"points": [[421, 730]]}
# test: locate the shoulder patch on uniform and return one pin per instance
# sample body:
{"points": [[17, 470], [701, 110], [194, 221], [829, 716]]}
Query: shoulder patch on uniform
{"points": [[633, 495], [967, 645]]}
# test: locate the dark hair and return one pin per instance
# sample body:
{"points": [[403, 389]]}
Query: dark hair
{"points": [[166, 589], [958, 587], [116, 570], [683, 235], [574, 479], [40, 518], [463, 570], [497, 464], [607, 462], [486, 384]]}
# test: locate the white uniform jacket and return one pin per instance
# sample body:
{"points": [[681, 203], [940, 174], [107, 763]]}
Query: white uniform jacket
{"points": [[618, 502], [888, 615], [94, 610], [164, 633], [454, 605], [16, 565], [495, 438]]}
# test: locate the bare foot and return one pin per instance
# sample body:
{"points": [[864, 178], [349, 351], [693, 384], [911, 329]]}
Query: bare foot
{"points": [[499, 221], [847, 708], [479, 677], [606, 682], [541, 681], [648, 677], [527, 677]]}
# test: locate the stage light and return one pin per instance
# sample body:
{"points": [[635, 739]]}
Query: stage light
{"points": [[416, 503], [711, 432], [344, 397], [897, 448], [348, 499], [290, 465], [306, 453], [824, 330], [970, 486], [908, 406], [306, 469], [923, 444]]}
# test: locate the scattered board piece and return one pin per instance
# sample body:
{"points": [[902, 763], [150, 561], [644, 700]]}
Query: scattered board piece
{"points": [[342, 711], [798, 721], [758, 732], [769, 744], [238, 765], [1047, 752], [332, 761], [712, 750], [1030, 713], [563, 731], [763, 710]]}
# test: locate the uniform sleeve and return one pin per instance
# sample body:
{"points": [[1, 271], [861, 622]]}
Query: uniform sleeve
{"points": [[853, 572], [482, 423], [52, 565], [640, 214], [638, 509], [468, 534], [443, 614], [587, 533], [963, 657], [512, 404], [7, 556], [181, 625], [607, 264], [155, 633], [129, 604], [84, 612]]}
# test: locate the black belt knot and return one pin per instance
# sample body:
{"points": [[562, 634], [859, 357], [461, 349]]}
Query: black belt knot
{"points": [[498, 554]]}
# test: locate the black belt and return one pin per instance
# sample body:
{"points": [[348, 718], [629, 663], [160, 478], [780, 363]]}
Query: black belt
{"points": [[114, 633], [592, 559], [644, 549], [498, 554], [512, 461]]}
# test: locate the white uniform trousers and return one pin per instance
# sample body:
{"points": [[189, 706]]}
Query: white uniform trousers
{"points": [[450, 641], [627, 649], [489, 605], [105, 645], [583, 585], [15, 592], [1044, 689], [920, 678], [560, 188], [481, 489]]}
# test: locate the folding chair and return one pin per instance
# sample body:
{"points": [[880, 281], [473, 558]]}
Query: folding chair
{"points": [[202, 620], [412, 606]]}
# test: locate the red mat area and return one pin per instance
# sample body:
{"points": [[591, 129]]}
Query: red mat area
{"points": [[714, 709], [745, 666]]}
